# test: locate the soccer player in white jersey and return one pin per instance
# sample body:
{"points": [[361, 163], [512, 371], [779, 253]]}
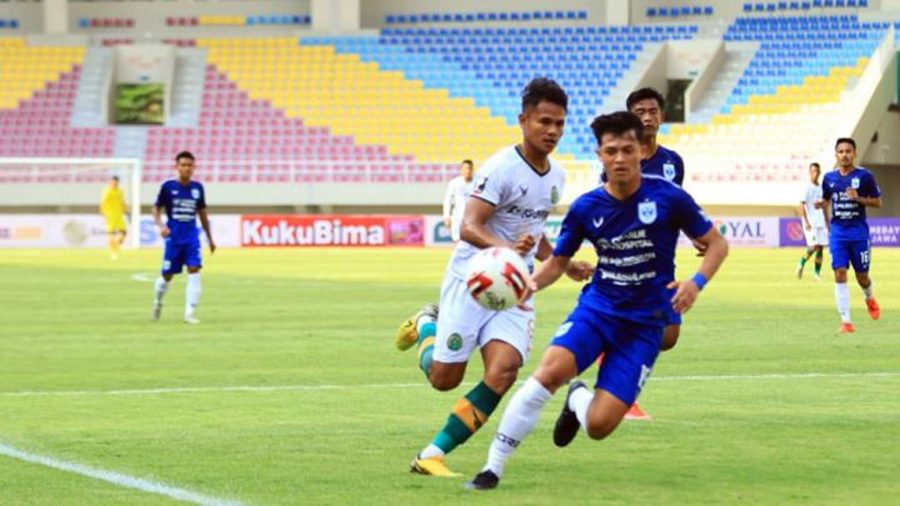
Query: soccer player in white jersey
{"points": [[815, 228], [458, 190], [633, 222], [514, 192]]}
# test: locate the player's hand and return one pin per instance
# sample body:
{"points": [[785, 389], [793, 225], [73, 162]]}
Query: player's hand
{"points": [[580, 270], [685, 295], [819, 204], [447, 222], [164, 231], [530, 288], [523, 245], [807, 226], [212, 247], [852, 194], [700, 247]]}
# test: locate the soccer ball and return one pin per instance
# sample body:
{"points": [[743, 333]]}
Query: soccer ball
{"points": [[496, 278]]}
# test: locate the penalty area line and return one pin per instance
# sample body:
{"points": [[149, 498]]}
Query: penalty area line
{"points": [[380, 386], [122, 480]]}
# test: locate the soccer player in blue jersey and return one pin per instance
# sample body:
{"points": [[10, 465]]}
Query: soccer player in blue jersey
{"points": [[846, 192], [184, 201], [633, 221]]}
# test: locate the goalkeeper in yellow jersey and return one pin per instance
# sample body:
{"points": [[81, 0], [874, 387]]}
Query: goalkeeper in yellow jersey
{"points": [[113, 208]]}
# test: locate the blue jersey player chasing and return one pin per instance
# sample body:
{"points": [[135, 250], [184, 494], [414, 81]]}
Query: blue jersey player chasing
{"points": [[846, 192], [633, 221], [184, 201]]}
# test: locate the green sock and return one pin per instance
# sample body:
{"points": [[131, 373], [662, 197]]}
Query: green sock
{"points": [[470, 414], [425, 344], [818, 263]]}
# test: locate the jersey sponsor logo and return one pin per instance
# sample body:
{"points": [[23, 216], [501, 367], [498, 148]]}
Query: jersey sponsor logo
{"points": [[195, 192], [554, 195], [480, 186], [528, 214], [854, 183], [669, 171], [598, 222], [647, 212]]}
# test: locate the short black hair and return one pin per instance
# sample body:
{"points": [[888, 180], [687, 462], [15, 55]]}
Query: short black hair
{"points": [[816, 165], [115, 178], [185, 154], [543, 89], [467, 161], [848, 140], [616, 123], [645, 94]]}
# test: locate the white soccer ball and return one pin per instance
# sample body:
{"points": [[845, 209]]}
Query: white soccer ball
{"points": [[497, 278]]}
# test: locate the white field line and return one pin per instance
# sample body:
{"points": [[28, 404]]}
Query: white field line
{"points": [[122, 480], [143, 277], [381, 386]]}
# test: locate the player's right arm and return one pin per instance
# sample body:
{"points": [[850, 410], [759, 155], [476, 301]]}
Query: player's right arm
{"points": [[161, 199], [804, 216], [448, 202], [475, 232]]}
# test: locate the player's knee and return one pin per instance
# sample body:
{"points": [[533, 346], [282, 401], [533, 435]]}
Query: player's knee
{"points": [[501, 379], [670, 337], [600, 429], [443, 382]]}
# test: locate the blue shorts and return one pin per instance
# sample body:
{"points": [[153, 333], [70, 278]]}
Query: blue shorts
{"points": [[177, 255], [629, 349], [844, 253]]}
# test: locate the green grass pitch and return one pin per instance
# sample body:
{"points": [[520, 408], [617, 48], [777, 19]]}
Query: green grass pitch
{"points": [[760, 403]]}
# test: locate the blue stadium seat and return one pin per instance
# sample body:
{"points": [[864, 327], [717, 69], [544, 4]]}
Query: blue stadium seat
{"points": [[748, 7], [83, 23], [685, 10], [390, 19], [696, 10]]}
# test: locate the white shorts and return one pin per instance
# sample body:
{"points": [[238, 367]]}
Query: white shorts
{"points": [[816, 236], [463, 325]]}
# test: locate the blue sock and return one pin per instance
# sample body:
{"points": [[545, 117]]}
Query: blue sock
{"points": [[427, 329]]}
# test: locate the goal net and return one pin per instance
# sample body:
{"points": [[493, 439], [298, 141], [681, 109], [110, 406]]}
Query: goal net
{"points": [[66, 184]]}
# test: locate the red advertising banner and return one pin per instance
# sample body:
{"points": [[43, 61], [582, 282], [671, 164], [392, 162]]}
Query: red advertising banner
{"points": [[268, 230]]}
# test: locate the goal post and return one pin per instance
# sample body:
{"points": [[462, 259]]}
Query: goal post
{"points": [[71, 182]]}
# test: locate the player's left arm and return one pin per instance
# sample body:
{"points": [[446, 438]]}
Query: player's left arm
{"points": [[686, 292], [204, 221], [690, 218]]}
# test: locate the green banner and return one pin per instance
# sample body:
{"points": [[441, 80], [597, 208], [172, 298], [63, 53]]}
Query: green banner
{"points": [[140, 104]]}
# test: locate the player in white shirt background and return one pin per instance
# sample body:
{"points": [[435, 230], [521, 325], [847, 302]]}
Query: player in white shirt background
{"points": [[514, 192], [458, 190], [815, 226]]}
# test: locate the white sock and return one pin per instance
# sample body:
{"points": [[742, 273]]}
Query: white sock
{"points": [[580, 402], [160, 289], [192, 293], [431, 451], [842, 299], [424, 320], [868, 290], [518, 421]]}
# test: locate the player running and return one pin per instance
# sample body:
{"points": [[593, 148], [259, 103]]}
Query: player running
{"points": [[846, 192], [514, 193], [633, 221], [184, 201], [815, 228]]}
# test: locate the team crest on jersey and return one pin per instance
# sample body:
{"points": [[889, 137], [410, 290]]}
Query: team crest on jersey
{"points": [[669, 171], [195, 193], [854, 183], [647, 212], [554, 195]]}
